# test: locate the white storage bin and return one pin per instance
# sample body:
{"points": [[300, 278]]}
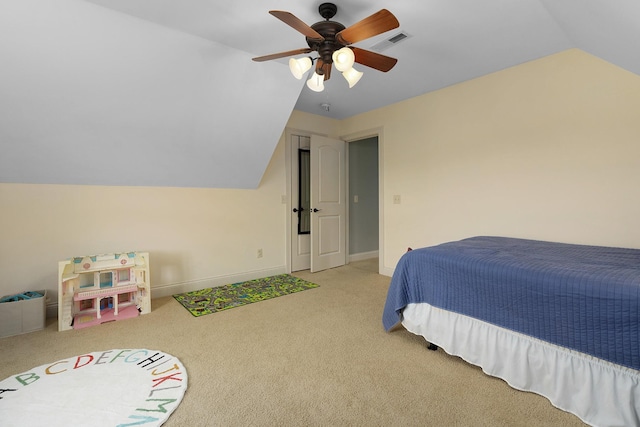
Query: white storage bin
{"points": [[27, 315]]}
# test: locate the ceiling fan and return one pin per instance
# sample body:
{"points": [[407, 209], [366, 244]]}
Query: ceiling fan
{"points": [[332, 42]]}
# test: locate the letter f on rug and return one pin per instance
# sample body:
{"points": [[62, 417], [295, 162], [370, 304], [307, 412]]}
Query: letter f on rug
{"points": [[212, 300]]}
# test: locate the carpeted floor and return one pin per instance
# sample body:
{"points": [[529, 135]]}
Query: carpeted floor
{"points": [[213, 300], [317, 358]]}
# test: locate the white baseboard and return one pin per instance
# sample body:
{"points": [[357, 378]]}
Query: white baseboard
{"points": [[210, 282], [386, 271], [363, 256]]}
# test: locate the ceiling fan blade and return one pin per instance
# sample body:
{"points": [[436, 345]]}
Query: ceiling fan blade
{"points": [[297, 24], [375, 24], [282, 54], [374, 60]]}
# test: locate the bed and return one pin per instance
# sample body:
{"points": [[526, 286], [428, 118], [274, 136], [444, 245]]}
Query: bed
{"points": [[557, 319]]}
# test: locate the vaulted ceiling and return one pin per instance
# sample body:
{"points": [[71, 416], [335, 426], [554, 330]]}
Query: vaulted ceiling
{"points": [[164, 92]]}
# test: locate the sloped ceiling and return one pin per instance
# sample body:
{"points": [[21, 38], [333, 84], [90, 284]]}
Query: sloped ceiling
{"points": [[93, 96], [164, 92]]}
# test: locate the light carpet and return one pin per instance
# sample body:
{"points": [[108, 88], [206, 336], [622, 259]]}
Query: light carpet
{"points": [[315, 358]]}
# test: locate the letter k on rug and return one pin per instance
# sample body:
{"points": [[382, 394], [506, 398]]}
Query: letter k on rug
{"points": [[212, 300], [106, 388]]}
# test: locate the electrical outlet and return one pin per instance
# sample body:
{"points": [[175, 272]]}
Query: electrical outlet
{"points": [[396, 199], [260, 253], [356, 199]]}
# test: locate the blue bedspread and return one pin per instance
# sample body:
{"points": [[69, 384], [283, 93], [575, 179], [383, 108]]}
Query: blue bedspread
{"points": [[586, 298]]}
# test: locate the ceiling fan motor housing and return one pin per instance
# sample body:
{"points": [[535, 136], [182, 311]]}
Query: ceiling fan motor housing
{"points": [[326, 47]]}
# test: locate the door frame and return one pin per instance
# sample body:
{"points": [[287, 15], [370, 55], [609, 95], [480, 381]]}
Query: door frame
{"points": [[289, 132], [294, 258], [355, 136]]}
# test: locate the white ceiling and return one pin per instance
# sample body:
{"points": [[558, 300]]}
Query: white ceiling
{"points": [[451, 40], [164, 92]]}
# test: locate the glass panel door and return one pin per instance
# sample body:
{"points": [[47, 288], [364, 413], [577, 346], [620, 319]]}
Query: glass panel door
{"points": [[304, 190]]}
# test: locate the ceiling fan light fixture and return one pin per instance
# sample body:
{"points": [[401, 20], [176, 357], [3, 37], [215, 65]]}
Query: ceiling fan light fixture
{"points": [[343, 59], [316, 82], [299, 66], [352, 76]]}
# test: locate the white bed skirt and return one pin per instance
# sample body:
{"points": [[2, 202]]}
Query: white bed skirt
{"points": [[600, 393]]}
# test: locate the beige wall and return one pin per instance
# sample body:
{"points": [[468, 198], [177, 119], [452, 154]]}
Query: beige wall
{"points": [[196, 237], [546, 150], [313, 124]]}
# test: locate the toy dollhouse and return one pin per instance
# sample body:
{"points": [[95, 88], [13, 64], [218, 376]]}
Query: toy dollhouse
{"points": [[102, 288]]}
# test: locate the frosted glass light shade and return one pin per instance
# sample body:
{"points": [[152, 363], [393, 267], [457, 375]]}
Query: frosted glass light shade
{"points": [[316, 82], [343, 59], [352, 76], [299, 66]]}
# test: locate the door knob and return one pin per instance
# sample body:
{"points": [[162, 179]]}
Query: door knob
{"points": [[298, 210], [316, 210]]}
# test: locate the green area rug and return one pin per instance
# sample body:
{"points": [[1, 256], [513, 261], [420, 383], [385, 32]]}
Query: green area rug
{"points": [[212, 300]]}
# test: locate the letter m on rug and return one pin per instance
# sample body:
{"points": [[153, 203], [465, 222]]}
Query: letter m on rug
{"points": [[161, 406]]}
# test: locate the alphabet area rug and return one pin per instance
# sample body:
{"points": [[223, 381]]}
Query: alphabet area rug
{"points": [[106, 388], [212, 300]]}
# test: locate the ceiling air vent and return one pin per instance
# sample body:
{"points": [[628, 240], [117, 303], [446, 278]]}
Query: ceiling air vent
{"points": [[387, 43]]}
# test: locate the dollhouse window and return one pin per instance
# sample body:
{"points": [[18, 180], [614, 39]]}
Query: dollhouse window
{"points": [[86, 281], [123, 275], [106, 279]]}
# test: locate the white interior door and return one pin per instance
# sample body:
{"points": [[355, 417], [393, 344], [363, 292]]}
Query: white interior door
{"points": [[328, 203]]}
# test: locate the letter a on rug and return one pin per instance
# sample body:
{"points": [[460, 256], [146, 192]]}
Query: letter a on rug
{"points": [[124, 387], [212, 300]]}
